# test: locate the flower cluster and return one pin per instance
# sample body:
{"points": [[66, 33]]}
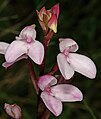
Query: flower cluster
{"points": [[26, 45]]}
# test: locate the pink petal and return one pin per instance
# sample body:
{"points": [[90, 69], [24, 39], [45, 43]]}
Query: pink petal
{"points": [[6, 64], [83, 65], [28, 31], [16, 111], [56, 10], [46, 80], [64, 67], [67, 93], [67, 43], [41, 13], [52, 24], [36, 52], [53, 104], [13, 110], [15, 50], [8, 110], [3, 47]]}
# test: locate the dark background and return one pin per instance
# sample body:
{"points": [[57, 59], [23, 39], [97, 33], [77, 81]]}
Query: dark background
{"points": [[80, 20]]}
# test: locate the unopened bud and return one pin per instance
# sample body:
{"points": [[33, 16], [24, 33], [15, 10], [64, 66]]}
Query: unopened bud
{"points": [[13, 110]]}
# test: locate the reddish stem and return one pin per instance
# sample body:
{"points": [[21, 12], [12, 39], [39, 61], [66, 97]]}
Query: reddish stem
{"points": [[33, 76], [46, 41], [46, 114], [54, 69]]}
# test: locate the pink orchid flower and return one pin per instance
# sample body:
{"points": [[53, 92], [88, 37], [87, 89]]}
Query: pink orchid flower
{"points": [[13, 111], [3, 48], [48, 18], [24, 45], [69, 62], [53, 96]]}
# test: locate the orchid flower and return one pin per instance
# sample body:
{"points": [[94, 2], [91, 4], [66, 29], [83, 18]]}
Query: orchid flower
{"points": [[69, 61], [3, 48], [24, 45], [48, 18], [13, 111], [53, 96]]}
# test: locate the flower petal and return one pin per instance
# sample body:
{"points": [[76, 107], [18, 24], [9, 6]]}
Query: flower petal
{"points": [[13, 110], [15, 50], [8, 110], [56, 10], [46, 80], [53, 104], [41, 13], [67, 93], [52, 24], [83, 65], [64, 67], [3, 47], [28, 31], [6, 64], [67, 43], [36, 52]]}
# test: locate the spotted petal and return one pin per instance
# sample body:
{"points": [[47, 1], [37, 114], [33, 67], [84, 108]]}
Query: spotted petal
{"points": [[36, 52], [83, 65], [67, 93], [67, 43], [15, 50], [65, 69], [53, 104]]}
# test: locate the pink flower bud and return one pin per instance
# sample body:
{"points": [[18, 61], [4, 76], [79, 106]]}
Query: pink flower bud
{"points": [[13, 110], [48, 18]]}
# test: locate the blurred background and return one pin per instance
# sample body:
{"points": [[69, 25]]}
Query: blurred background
{"points": [[80, 20]]}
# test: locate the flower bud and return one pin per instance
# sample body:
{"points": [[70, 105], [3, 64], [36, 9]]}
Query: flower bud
{"points": [[48, 18], [13, 110]]}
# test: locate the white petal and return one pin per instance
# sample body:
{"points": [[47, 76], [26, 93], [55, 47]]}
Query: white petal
{"points": [[8, 110], [64, 67], [83, 65], [6, 64], [67, 93], [28, 31], [67, 43], [53, 104], [46, 80], [3, 47], [36, 52], [15, 50]]}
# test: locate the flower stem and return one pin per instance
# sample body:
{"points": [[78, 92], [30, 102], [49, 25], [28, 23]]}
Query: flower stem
{"points": [[54, 69], [46, 114], [33, 76], [89, 109], [46, 41]]}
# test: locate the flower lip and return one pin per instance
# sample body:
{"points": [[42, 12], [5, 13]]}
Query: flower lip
{"points": [[28, 33], [46, 81], [48, 89], [68, 43]]}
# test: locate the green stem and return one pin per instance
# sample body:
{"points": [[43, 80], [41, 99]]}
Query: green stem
{"points": [[89, 109]]}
